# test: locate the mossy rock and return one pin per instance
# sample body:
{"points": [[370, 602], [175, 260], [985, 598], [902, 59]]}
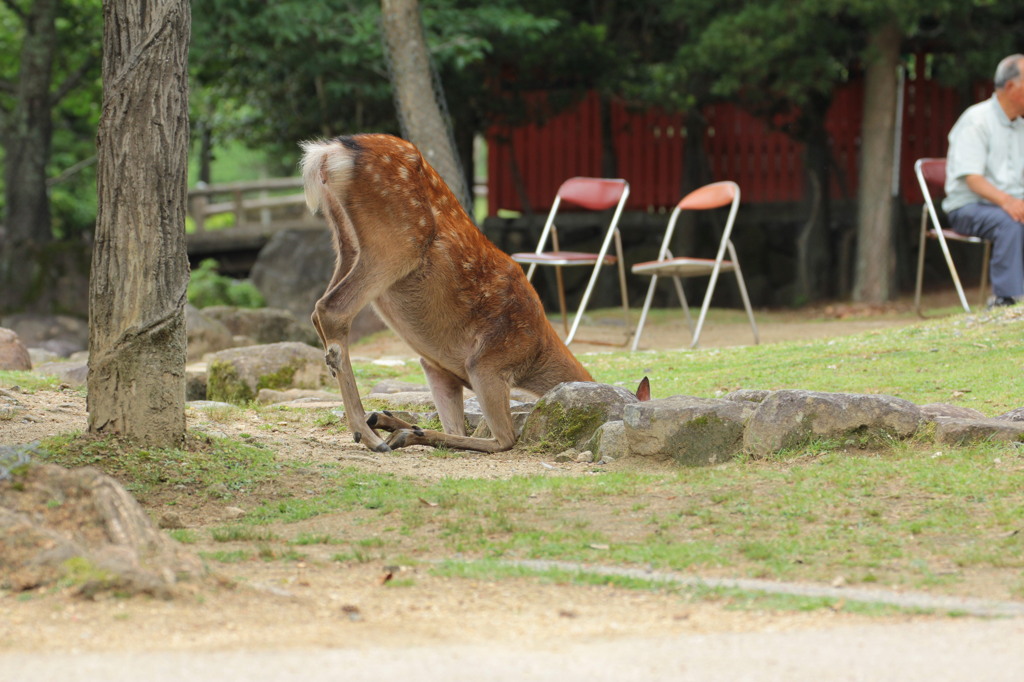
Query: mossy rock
{"points": [[570, 414], [237, 375]]}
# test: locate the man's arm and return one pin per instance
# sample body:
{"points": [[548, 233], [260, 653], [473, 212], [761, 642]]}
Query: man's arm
{"points": [[986, 190]]}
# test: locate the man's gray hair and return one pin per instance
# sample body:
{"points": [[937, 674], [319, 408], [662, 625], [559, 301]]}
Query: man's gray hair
{"points": [[1008, 70]]}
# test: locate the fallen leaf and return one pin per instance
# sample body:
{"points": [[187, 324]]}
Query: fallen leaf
{"points": [[428, 503]]}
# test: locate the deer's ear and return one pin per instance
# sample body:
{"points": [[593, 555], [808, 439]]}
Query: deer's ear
{"points": [[643, 391]]}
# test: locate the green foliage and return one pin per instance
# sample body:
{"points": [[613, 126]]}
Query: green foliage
{"points": [[207, 287]]}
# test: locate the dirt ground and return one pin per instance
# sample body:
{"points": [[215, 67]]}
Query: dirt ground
{"points": [[318, 602]]}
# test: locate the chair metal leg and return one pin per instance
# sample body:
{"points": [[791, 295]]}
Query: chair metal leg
{"points": [[706, 305], [561, 298], [643, 313], [622, 283], [743, 293], [984, 273], [682, 300], [590, 287], [952, 271], [920, 263]]}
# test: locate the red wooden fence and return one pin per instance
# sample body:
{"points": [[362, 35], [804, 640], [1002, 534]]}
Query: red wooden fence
{"points": [[649, 146]]}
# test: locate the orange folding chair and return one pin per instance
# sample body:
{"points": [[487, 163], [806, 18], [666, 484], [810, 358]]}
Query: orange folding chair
{"points": [[715, 195], [595, 194], [931, 176]]}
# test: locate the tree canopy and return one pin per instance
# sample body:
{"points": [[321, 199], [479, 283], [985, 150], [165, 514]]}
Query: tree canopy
{"points": [[270, 74]]}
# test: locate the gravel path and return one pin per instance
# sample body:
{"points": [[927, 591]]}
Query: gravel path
{"points": [[934, 651]]}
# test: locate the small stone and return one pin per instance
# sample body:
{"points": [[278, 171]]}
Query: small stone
{"points": [[233, 513], [585, 457], [171, 520]]}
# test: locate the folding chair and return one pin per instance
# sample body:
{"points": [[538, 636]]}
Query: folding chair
{"points": [[715, 195], [595, 194], [931, 176]]}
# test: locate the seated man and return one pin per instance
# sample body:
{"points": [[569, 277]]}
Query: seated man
{"points": [[985, 178]]}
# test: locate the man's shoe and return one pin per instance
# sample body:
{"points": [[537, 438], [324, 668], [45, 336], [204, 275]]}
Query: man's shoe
{"points": [[1000, 302]]}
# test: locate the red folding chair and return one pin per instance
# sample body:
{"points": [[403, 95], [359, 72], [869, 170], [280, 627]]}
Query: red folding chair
{"points": [[715, 195], [595, 194], [931, 176]]}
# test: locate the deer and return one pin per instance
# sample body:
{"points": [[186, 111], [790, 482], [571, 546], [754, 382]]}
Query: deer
{"points": [[405, 245]]}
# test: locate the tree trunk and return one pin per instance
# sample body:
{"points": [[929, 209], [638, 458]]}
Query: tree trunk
{"points": [[140, 266], [873, 282], [27, 134], [419, 110], [815, 278]]}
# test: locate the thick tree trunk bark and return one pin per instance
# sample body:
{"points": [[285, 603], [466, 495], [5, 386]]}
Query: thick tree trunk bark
{"points": [[27, 134], [418, 109], [873, 282], [140, 265]]}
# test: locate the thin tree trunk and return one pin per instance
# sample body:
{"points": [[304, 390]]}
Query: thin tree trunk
{"points": [[140, 266], [27, 135], [419, 111], [873, 282]]}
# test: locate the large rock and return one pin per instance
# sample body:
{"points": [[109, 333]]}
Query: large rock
{"points": [[264, 325], [292, 272], [1015, 415], [691, 431], [71, 372], [935, 411], [237, 375], [570, 413], [13, 354], [60, 334], [793, 418], [81, 528], [205, 334], [609, 441], [954, 431]]}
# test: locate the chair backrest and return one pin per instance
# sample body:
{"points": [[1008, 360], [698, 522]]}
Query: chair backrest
{"points": [[715, 195], [931, 175], [595, 194]]}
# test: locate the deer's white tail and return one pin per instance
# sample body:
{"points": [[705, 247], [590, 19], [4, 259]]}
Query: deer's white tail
{"points": [[324, 161]]}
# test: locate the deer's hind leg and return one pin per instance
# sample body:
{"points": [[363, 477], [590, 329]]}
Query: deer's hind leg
{"points": [[492, 391], [446, 389], [354, 285]]}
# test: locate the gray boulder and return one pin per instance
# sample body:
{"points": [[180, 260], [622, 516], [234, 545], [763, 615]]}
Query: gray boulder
{"points": [[936, 411], [205, 334], [750, 395], [792, 418], [569, 414], [13, 354], [609, 441], [236, 375], [691, 431], [264, 325], [292, 272], [966, 431], [69, 372], [1016, 415], [61, 334]]}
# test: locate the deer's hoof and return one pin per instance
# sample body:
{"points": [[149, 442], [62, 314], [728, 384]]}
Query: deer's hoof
{"points": [[383, 447], [371, 421]]}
